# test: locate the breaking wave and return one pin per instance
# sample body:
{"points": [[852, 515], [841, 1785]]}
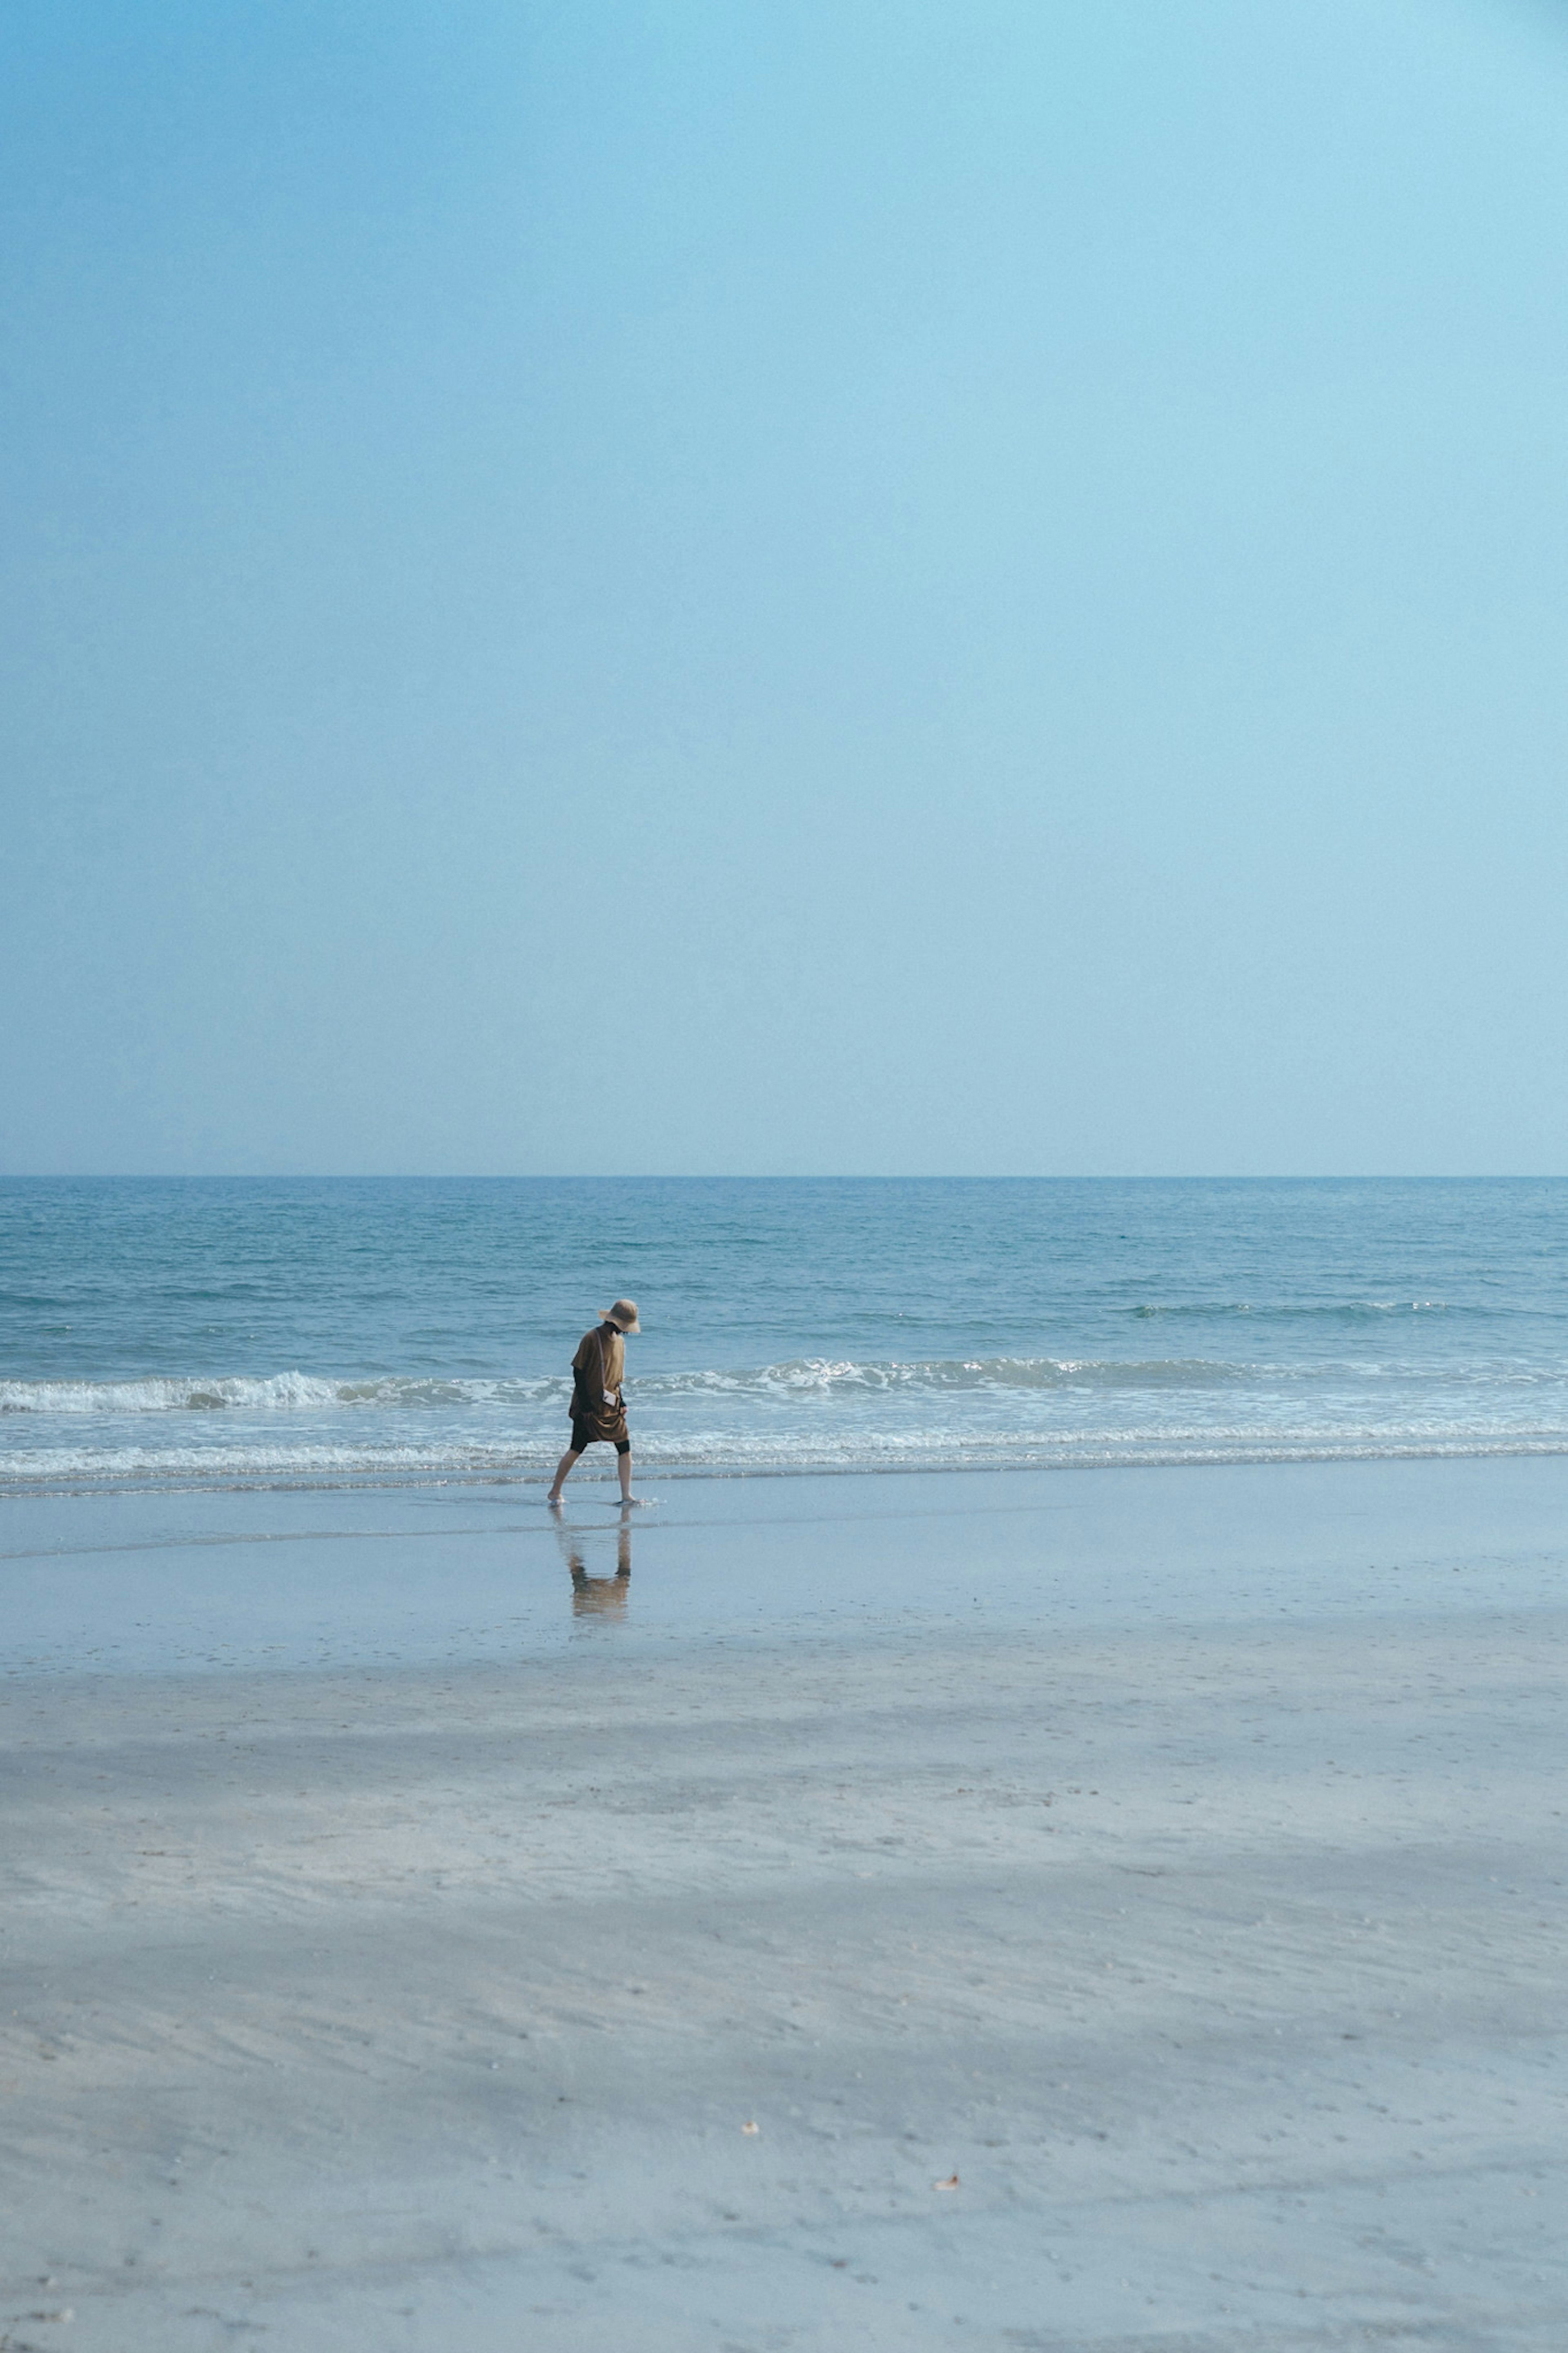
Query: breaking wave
{"points": [[269, 1393], [801, 1415], [803, 1378], [296, 1392]]}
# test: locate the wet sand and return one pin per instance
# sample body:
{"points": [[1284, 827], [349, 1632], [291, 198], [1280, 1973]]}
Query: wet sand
{"points": [[1127, 1906]]}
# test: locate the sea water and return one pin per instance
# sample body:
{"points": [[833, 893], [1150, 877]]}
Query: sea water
{"points": [[168, 1333]]}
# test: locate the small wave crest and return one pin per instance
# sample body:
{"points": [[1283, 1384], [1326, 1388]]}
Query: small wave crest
{"points": [[293, 1392], [1326, 1311], [298, 1392], [827, 1375], [798, 1380]]}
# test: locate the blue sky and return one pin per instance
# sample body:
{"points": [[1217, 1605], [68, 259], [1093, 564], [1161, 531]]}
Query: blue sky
{"points": [[729, 588]]}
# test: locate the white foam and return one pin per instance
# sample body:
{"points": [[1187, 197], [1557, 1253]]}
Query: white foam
{"points": [[739, 1455], [292, 1392], [813, 1413], [296, 1391]]}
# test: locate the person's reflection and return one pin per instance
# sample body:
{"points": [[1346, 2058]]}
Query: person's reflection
{"points": [[597, 1596]]}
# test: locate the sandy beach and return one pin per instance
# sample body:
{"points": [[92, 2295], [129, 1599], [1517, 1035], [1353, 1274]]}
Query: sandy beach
{"points": [[1113, 1910]]}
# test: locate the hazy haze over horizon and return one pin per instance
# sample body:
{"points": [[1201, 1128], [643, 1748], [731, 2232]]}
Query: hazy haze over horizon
{"points": [[829, 588]]}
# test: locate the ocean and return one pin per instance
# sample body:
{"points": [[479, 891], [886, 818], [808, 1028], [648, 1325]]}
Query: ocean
{"points": [[303, 1332]]}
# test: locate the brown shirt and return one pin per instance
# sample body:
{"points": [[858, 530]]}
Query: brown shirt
{"points": [[597, 1370]]}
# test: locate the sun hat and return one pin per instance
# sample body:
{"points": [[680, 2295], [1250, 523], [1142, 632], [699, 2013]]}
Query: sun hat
{"points": [[623, 1315]]}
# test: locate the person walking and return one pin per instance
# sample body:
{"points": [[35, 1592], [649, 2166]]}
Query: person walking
{"points": [[597, 1409]]}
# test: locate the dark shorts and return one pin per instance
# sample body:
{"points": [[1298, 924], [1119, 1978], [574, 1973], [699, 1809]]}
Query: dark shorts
{"points": [[582, 1438]]}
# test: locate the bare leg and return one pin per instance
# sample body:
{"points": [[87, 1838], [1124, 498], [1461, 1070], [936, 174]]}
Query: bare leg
{"points": [[562, 1468], [623, 1465]]}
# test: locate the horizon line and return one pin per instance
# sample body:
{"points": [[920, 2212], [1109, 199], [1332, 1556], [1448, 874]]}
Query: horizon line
{"points": [[809, 1177]]}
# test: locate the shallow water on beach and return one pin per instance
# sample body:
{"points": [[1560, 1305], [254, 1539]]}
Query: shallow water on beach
{"points": [[1113, 1912], [169, 1332]]}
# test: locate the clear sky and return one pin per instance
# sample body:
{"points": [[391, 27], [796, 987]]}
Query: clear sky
{"points": [[785, 585]]}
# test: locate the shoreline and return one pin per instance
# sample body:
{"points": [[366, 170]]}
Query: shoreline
{"points": [[677, 1473]]}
